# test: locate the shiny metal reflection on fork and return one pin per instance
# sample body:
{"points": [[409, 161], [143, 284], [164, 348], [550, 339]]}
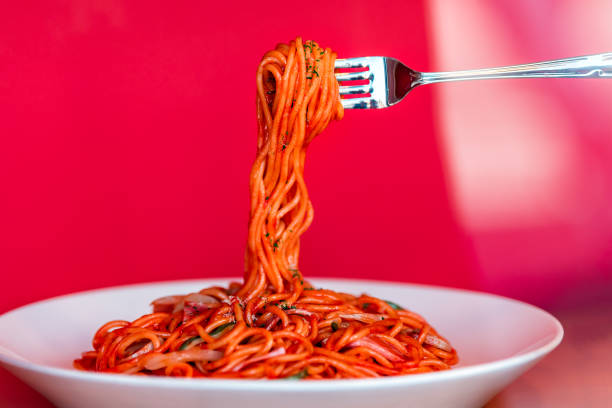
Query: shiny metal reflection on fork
{"points": [[389, 80]]}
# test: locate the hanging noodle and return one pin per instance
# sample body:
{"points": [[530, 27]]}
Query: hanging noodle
{"points": [[275, 324]]}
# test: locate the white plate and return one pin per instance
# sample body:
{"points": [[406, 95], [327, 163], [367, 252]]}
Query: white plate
{"points": [[497, 339]]}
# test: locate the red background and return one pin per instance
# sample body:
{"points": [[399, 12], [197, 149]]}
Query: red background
{"points": [[128, 130]]}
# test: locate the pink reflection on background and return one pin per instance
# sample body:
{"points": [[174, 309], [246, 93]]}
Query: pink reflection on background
{"points": [[529, 165], [529, 162]]}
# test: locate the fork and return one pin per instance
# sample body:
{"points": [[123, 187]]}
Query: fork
{"points": [[389, 80]]}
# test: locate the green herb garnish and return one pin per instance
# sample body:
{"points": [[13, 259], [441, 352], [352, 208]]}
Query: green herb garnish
{"points": [[187, 342], [334, 326], [220, 329], [298, 376], [365, 305], [285, 306], [394, 305]]}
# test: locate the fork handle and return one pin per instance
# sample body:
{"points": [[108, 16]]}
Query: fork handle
{"points": [[588, 66]]}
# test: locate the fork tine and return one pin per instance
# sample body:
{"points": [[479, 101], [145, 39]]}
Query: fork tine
{"points": [[359, 103], [351, 63], [353, 76], [372, 95], [356, 89]]}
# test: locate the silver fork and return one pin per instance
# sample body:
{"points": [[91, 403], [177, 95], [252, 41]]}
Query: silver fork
{"points": [[389, 81]]}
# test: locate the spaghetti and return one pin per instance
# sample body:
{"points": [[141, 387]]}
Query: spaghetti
{"points": [[275, 324]]}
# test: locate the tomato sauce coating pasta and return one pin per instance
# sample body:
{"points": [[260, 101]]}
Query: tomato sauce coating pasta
{"points": [[275, 324]]}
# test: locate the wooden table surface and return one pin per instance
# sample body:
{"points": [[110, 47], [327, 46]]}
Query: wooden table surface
{"points": [[577, 374]]}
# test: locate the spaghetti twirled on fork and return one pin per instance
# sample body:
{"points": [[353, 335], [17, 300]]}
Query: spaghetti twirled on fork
{"points": [[275, 324]]}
